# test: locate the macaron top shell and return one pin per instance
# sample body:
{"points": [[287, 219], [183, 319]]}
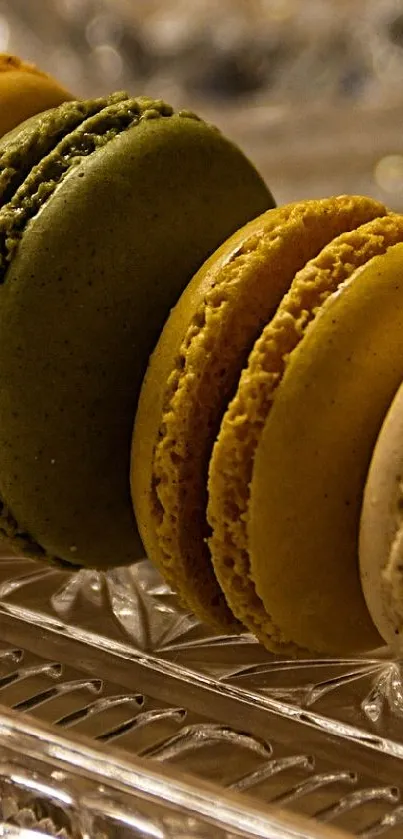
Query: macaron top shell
{"points": [[91, 273], [25, 90], [47, 150], [194, 372]]}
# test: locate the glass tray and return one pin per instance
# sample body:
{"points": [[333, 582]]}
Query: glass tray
{"points": [[123, 716]]}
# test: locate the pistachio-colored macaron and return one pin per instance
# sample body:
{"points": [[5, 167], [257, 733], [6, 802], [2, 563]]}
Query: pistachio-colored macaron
{"points": [[24, 91], [192, 377], [107, 208]]}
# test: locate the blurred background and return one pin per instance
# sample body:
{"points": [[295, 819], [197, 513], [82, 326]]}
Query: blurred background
{"points": [[313, 91]]}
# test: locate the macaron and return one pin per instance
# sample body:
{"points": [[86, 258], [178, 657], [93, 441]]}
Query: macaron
{"points": [[192, 376], [288, 467], [381, 530], [25, 90], [107, 209], [308, 476]]}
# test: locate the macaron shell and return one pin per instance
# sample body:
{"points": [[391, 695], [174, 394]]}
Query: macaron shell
{"points": [[231, 466], [380, 546], [194, 371], [83, 302], [150, 410], [25, 91], [309, 477]]}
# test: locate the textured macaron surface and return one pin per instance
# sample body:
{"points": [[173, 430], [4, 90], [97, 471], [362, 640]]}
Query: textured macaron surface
{"points": [[308, 483], [108, 209], [232, 464], [33, 167], [193, 375]]}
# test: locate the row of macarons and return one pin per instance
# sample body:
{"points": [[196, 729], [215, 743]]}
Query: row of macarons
{"points": [[148, 278]]}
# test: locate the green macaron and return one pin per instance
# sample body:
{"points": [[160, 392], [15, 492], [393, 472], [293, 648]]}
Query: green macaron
{"points": [[107, 208]]}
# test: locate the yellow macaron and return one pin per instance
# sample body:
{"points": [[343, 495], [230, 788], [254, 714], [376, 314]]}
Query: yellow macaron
{"points": [[193, 375], [24, 91], [284, 503]]}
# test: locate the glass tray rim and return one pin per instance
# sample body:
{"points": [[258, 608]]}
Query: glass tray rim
{"points": [[57, 614], [22, 737]]}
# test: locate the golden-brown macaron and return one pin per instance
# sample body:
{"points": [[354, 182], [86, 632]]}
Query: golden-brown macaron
{"points": [[24, 91], [341, 381], [194, 372], [276, 556]]}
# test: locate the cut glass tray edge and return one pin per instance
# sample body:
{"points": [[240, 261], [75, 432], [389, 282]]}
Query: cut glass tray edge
{"points": [[79, 619], [21, 738], [167, 669], [123, 663]]}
